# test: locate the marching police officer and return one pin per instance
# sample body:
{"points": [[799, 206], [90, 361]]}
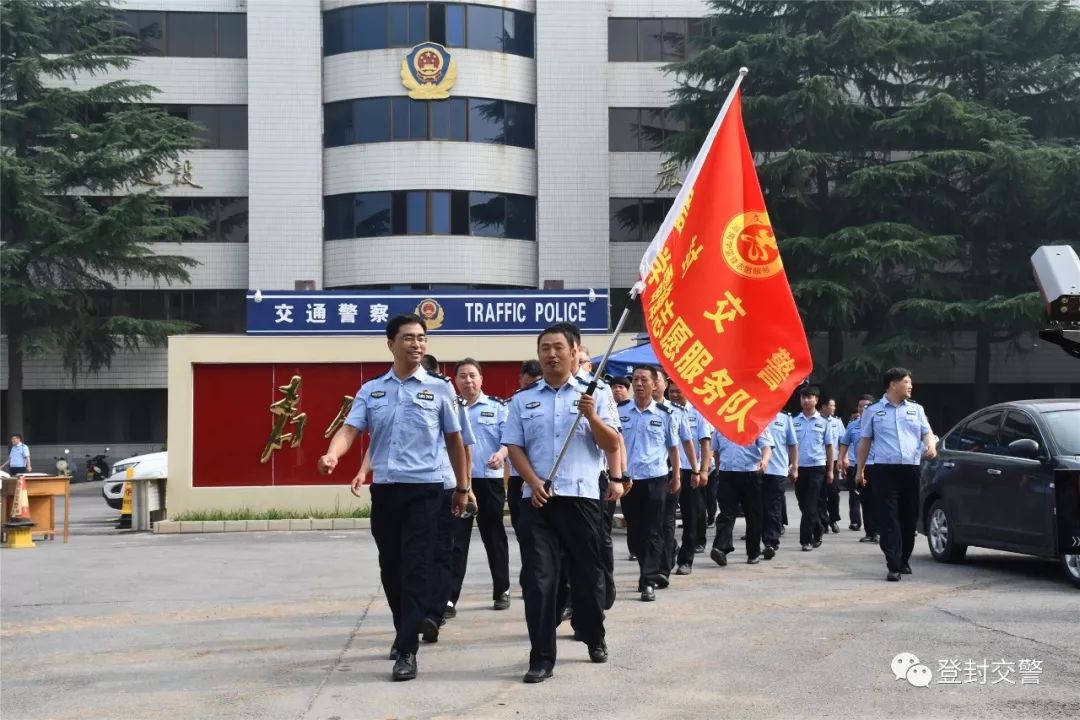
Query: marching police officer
{"points": [[815, 435], [693, 479], [829, 500], [651, 436], [405, 411], [687, 441], [783, 464], [860, 508], [893, 432], [561, 522], [487, 416], [740, 470], [528, 374]]}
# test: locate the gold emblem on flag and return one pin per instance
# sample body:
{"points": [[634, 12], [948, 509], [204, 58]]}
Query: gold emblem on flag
{"points": [[750, 246]]}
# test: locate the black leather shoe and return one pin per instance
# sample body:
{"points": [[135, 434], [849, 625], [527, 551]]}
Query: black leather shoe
{"points": [[567, 613], [754, 560], [893, 576], [429, 630], [661, 581], [536, 675], [631, 557], [699, 548], [405, 667], [450, 612], [718, 556], [648, 594], [393, 653], [906, 570], [683, 569], [816, 544], [598, 653], [502, 602], [834, 528], [770, 552], [783, 529], [609, 594], [875, 538], [806, 548], [868, 539], [853, 526]]}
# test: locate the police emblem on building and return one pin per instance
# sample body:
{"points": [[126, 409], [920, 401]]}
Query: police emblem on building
{"points": [[432, 312], [428, 72]]}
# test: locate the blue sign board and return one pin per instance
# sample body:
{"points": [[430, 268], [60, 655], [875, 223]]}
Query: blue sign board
{"points": [[456, 312]]}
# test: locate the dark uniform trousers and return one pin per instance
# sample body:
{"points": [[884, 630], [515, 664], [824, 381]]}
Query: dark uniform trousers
{"points": [[668, 544], [896, 492], [773, 490], [739, 488], [490, 498], [693, 519], [565, 531], [867, 495], [644, 507], [404, 522], [513, 498], [607, 516], [443, 563], [853, 502], [710, 498], [829, 501], [807, 492]]}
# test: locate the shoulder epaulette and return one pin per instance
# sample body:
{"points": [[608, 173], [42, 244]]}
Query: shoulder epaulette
{"points": [[624, 402], [440, 376], [501, 401], [530, 386], [460, 400], [377, 377], [665, 407]]}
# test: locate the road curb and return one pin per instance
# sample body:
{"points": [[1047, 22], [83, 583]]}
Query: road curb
{"points": [[174, 527]]}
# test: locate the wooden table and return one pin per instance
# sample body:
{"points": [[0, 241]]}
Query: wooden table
{"points": [[42, 492]]}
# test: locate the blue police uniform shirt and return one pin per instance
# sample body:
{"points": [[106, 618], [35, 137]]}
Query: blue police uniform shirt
{"points": [[814, 433], [851, 439], [18, 455], [537, 421], [699, 429], [648, 433], [406, 418], [895, 432], [741, 458], [449, 480], [782, 429], [838, 432], [487, 416]]}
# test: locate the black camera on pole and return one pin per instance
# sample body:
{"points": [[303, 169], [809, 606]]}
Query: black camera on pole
{"points": [[1057, 272]]}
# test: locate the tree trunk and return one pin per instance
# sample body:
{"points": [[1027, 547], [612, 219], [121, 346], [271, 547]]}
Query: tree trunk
{"points": [[836, 346], [15, 385], [982, 368]]}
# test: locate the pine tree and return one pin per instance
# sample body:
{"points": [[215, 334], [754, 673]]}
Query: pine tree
{"points": [[77, 214]]}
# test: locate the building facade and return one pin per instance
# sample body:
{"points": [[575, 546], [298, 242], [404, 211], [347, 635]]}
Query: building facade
{"points": [[318, 171]]}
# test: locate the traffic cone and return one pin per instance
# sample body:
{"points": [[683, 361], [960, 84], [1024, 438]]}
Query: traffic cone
{"points": [[19, 524], [125, 507]]}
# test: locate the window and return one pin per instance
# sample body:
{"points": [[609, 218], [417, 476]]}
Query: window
{"points": [[224, 127], [637, 219], [430, 212], [379, 26], [400, 119], [654, 39], [1064, 427], [640, 129], [184, 34], [1018, 426], [226, 218], [980, 434]]}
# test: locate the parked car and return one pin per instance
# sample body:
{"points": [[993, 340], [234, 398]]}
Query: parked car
{"points": [[154, 466], [997, 479]]}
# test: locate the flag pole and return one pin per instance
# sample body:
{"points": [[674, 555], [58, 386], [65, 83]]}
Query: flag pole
{"points": [[647, 260], [634, 292]]}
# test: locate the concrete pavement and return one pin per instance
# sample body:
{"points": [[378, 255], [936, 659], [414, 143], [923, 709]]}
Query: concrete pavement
{"points": [[294, 625]]}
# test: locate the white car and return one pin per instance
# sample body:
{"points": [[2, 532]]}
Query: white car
{"points": [[154, 466]]}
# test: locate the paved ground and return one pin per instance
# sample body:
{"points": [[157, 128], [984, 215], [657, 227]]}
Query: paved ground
{"points": [[294, 626]]}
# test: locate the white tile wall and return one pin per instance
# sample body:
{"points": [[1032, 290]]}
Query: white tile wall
{"points": [[431, 259], [430, 165], [285, 143], [526, 5], [195, 81], [639, 84], [144, 368], [625, 258], [188, 5], [484, 74], [572, 205], [222, 173], [634, 174], [222, 266], [656, 8]]}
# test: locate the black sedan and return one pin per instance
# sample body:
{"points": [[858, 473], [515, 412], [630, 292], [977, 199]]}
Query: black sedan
{"points": [[1008, 478]]}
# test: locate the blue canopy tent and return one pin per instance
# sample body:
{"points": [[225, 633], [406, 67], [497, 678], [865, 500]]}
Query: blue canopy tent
{"points": [[623, 361]]}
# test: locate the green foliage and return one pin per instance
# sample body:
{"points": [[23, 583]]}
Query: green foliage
{"points": [[76, 218]]}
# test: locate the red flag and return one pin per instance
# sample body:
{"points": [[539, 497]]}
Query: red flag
{"points": [[717, 302]]}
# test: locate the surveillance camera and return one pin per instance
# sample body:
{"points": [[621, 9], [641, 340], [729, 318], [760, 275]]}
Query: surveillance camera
{"points": [[257, 297], [1057, 273], [592, 295]]}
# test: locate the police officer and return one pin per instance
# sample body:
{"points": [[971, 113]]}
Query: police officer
{"points": [[651, 436], [528, 374], [740, 468], [860, 509], [18, 461], [561, 522], [693, 478], [893, 432], [815, 435], [783, 464], [487, 416], [829, 500], [405, 411], [687, 441]]}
